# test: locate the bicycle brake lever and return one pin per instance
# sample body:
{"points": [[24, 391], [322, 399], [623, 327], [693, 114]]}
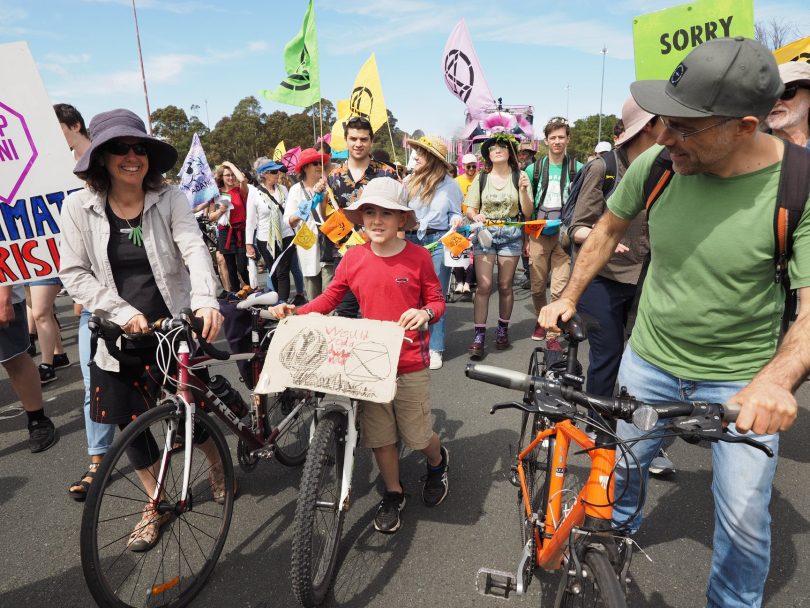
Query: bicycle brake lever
{"points": [[509, 405], [710, 426]]}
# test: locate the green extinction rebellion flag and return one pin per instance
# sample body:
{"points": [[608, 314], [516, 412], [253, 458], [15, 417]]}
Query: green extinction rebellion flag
{"points": [[302, 86]]}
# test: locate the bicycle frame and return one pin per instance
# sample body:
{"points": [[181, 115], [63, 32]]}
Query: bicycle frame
{"points": [[594, 500]]}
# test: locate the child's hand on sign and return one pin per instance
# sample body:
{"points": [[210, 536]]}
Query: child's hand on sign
{"points": [[282, 310]]}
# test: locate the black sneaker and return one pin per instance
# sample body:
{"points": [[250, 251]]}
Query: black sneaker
{"points": [[61, 361], [32, 346], [299, 299], [41, 435], [387, 519], [436, 485], [46, 373]]}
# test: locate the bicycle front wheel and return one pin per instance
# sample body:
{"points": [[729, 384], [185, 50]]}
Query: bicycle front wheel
{"points": [[318, 515], [170, 563], [599, 586], [292, 445]]}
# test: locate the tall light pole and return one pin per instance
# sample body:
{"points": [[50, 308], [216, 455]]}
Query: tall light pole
{"points": [[601, 92], [567, 97], [143, 73]]}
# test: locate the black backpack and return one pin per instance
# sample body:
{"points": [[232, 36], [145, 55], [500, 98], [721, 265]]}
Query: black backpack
{"points": [[569, 170], [609, 184], [791, 197]]}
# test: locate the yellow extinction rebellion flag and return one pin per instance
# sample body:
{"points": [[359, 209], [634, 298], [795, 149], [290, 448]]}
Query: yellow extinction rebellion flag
{"points": [[366, 100], [302, 86], [795, 51]]}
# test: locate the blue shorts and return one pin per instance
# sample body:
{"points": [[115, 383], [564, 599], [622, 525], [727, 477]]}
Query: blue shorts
{"points": [[506, 241], [45, 282]]}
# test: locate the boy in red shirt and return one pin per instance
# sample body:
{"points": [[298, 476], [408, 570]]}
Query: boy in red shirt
{"points": [[393, 280]]}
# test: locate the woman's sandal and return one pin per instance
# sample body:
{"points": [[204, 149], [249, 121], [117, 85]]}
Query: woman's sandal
{"points": [[147, 532], [80, 495], [216, 478]]}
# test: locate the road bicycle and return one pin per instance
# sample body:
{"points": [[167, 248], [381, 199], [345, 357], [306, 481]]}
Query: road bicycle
{"points": [[193, 490], [567, 530]]}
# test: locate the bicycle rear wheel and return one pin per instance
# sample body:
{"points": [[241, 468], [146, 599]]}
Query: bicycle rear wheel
{"points": [[599, 586], [175, 568], [292, 445], [318, 519]]}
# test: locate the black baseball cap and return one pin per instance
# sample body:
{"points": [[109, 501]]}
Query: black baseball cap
{"points": [[732, 77]]}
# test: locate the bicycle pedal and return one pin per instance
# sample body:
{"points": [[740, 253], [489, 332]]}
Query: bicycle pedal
{"points": [[495, 583], [265, 453]]}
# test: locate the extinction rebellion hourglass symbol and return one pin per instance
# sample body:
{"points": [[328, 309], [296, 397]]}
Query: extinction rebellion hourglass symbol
{"points": [[459, 74]]}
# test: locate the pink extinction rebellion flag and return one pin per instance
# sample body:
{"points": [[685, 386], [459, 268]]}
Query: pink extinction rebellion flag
{"points": [[290, 159], [463, 74]]}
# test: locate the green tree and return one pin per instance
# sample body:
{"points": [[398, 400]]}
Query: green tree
{"points": [[585, 136]]}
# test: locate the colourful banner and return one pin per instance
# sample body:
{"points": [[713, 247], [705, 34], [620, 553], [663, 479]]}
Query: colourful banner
{"points": [[795, 51], [196, 179], [302, 87], [463, 74], [663, 38], [279, 152]]}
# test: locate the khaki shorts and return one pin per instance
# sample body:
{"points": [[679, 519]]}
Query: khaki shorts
{"points": [[407, 416]]}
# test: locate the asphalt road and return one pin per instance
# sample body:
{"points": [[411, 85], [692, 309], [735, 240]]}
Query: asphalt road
{"points": [[433, 560]]}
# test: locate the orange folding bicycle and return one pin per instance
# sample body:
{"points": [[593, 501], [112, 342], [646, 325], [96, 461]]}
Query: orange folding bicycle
{"points": [[569, 530]]}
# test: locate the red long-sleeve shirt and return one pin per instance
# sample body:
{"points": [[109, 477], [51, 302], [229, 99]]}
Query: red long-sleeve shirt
{"points": [[385, 288]]}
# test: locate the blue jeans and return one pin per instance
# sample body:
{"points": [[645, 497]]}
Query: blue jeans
{"points": [[742, 479], [99, 436], [443, 272]]}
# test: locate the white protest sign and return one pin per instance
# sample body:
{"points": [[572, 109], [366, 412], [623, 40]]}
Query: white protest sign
{"points": [[36, 171], [356, 358]]}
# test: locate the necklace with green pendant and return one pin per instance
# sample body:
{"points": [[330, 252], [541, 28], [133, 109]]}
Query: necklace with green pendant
{"points": [[135, 235]]}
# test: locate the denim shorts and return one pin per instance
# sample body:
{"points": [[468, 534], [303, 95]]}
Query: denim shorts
{"points": [[506, 241], [45, 282]]}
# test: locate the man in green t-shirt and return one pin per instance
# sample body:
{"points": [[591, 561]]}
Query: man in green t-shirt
{"points": [[553, 176], [709, 315]]}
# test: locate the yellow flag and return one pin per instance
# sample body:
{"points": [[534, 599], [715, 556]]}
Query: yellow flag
{"points": [[305, 238], [338, 142], [367, 96], [795, 51], [279, 152]]}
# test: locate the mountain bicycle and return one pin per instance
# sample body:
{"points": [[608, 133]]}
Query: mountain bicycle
{"points": [[192, 496], [567, 530]]}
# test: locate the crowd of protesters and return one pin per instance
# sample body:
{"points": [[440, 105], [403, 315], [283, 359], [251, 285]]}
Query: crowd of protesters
{"points": [[725, 143]]}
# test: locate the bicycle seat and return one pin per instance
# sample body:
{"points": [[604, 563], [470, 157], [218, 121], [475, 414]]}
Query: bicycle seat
{"points": [[269, 298]]}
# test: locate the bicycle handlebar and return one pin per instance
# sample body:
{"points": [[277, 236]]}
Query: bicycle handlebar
{"points": [[110, 332], [557, 401]]}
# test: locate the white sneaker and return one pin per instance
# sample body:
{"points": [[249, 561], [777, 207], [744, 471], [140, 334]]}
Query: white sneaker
{"points": [[466, 288], [459, 287], [435, 359]]}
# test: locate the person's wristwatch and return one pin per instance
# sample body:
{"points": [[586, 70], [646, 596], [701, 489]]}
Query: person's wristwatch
{"points": [[430, 312]]}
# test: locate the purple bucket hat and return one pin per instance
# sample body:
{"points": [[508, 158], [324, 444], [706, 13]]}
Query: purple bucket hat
{"points": [[125, 123]]}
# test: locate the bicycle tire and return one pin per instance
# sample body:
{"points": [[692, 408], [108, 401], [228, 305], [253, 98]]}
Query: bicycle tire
{"points": [[291, 446], [174, 570], [599, 588], [318, 521]]}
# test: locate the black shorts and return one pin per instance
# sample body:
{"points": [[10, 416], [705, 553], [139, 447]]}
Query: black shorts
{"points": [[14, 339]]}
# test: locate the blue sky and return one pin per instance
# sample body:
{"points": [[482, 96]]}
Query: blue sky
{"points": [[198, 50]]}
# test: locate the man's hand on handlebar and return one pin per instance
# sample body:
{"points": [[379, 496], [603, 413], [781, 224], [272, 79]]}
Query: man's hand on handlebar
{"points": [[561, 309], [282, 310], [766, 408], [414, 318], [212, 322], [136, 325]]}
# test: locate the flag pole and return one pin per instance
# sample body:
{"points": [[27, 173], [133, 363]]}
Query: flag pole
{"points": [[391, 135], [143, 73]]}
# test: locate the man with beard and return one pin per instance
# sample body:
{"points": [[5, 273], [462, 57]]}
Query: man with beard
{"points": [[790, 116]]}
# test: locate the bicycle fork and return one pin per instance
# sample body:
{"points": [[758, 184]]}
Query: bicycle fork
{"points": [[350, 445]]}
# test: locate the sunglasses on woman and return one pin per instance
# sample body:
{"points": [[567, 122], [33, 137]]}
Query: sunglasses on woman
{"points": [[120, 148], [790, 91]]}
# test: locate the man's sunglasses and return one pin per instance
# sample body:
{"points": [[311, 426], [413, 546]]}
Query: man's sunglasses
{"points": [[120, 148], [790, 91], [471, 166]]}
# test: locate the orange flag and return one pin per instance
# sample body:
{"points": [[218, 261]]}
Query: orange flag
{"points": [[456, 243], [337, 226], [534, 227]]}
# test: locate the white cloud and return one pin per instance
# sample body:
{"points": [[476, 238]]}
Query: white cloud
{"points": [[67, 59]]}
